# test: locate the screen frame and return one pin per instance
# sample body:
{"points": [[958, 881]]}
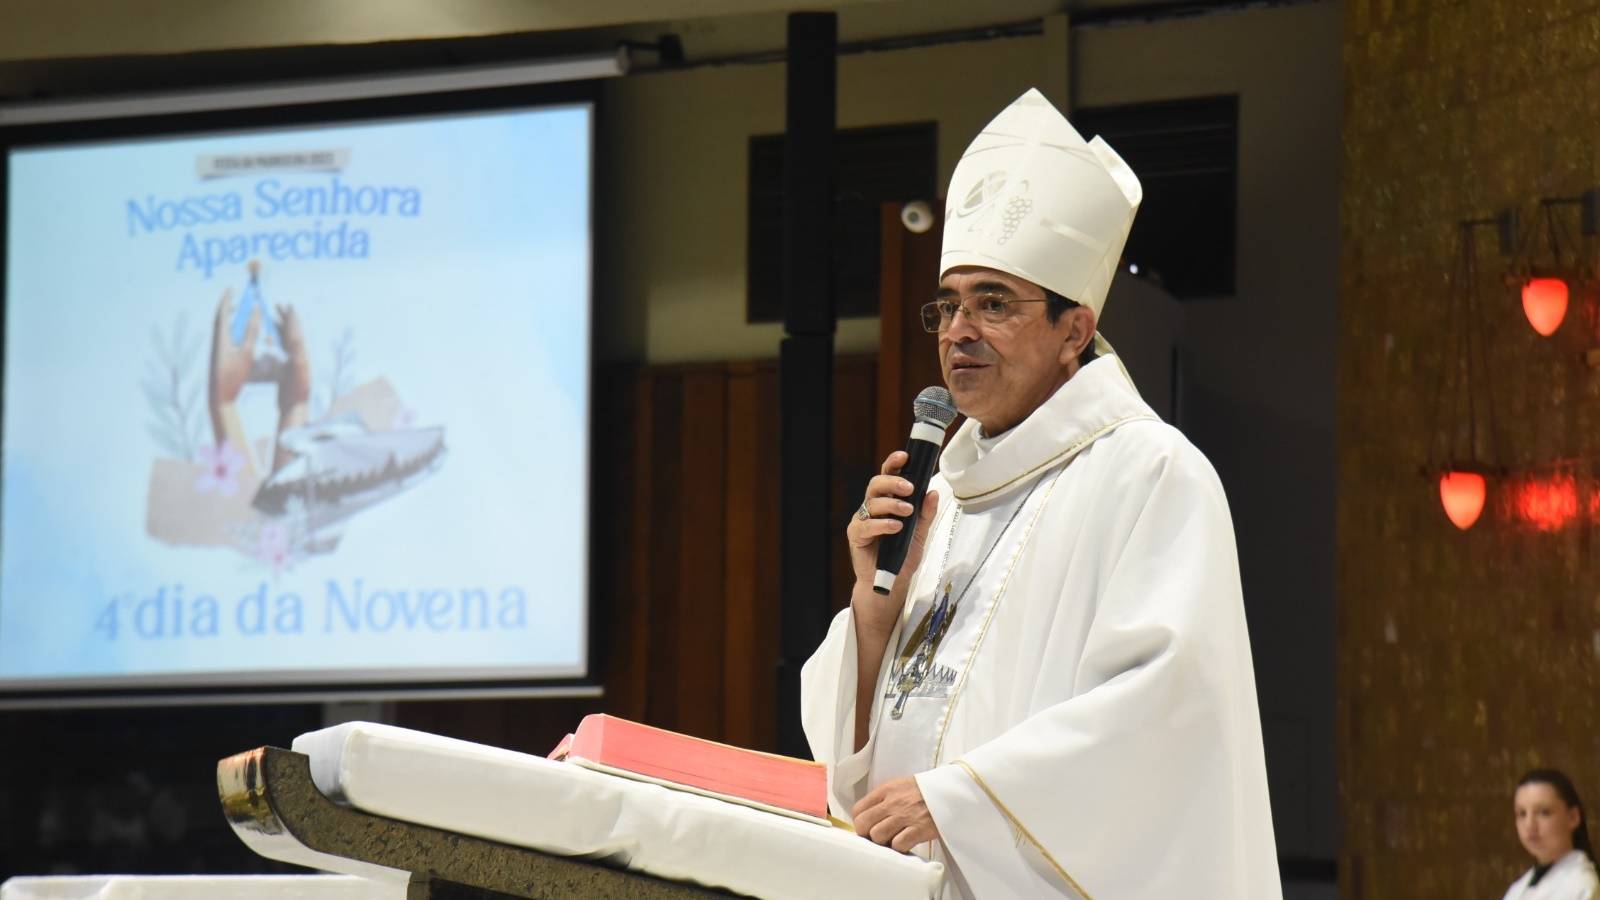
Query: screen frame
{"points": [[323, 686]]}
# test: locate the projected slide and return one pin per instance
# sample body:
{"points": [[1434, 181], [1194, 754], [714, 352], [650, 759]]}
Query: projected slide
{"points": [[303, 405]]}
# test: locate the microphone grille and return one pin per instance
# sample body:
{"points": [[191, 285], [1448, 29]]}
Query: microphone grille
{"points": [[935, 405]]}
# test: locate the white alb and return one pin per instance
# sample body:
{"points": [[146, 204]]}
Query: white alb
{"points": [[1092, 730]]}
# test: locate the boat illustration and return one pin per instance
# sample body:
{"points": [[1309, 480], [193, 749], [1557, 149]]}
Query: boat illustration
{"points": [[341, 468]]}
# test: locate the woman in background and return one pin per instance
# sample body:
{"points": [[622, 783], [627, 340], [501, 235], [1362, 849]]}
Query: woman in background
{"points": [[1553, 828]]}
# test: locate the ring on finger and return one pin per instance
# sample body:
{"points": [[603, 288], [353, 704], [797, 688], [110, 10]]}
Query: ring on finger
{"points": [[862, 513]]}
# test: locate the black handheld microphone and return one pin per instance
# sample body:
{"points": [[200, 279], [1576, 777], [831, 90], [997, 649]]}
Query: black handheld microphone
{"points": [[933, 411]]}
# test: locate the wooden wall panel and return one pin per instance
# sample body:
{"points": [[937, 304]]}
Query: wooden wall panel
{"points": [[908, 356], [626, 607], [761, 668], [750, 574], [855, 459], [660, 507], [700, 535]]}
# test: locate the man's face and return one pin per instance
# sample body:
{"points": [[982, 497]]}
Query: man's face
{"points": [[1001, 371]]}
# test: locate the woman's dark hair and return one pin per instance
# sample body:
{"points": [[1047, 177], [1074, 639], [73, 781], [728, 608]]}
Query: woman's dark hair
{"points": [[1569, 795], [1055, 306]]}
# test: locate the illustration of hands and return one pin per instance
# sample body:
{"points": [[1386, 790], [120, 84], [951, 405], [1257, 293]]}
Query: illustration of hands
{"points": [[294, 382], [248, 344], [362, 450], [230, 368]]}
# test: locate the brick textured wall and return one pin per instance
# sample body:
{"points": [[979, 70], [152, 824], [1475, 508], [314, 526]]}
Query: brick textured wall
{"points": [[1465, 658]]}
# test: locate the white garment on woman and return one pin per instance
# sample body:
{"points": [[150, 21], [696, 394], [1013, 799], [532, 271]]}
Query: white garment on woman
{"points": [[1571, 878]]}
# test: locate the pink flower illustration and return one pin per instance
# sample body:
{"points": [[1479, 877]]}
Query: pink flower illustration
{"points": [[223, 464], [273, 545]]}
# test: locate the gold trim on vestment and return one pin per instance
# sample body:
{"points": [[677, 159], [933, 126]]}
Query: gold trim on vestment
{"points": [[972, 655], [1054, 460], [966, 767], [1064, 459]]}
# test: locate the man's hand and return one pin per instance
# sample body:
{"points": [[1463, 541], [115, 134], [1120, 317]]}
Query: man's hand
{"points": [[885, 498], [875, 615], [895, 816]]}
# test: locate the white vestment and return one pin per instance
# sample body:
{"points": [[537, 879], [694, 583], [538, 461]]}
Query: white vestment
{"points": [[1093, 729], [1571, 878]]}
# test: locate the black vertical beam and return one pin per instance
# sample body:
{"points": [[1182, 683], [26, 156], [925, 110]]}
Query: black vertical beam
{"points": [[806, 359]]}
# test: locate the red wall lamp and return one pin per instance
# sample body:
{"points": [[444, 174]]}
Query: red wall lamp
{"points": [[1546, 286], [1458, 448]]}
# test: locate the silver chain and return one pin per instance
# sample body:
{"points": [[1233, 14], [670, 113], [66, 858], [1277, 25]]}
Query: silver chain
{"points": [[944, 564], [940, 616]]}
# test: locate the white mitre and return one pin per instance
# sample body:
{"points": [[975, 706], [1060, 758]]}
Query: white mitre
{"points": [[1031, 198]]}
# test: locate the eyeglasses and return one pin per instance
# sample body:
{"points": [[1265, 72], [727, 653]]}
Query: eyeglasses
{"points": [[983, 309]]}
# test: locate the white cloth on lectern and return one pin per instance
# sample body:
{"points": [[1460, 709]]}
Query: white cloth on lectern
{"points": [[1100, 736], [1571, 878]]}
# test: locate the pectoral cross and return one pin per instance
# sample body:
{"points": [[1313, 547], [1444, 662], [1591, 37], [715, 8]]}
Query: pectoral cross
{"points": [[921, 660]]}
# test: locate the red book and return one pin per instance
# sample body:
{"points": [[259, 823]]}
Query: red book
{"points": [[781, 784]]}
